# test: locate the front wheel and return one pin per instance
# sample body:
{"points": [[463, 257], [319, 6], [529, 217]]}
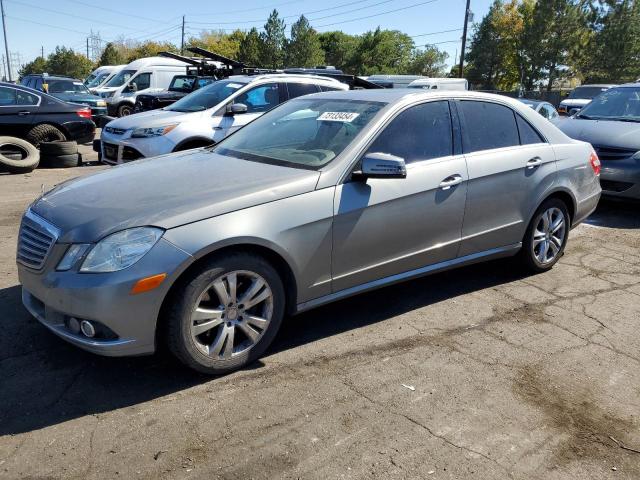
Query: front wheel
{"points": [[546, 236], [226, 313], [125, 110]]}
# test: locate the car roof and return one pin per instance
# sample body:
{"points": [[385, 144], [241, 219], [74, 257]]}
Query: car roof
{"points": [[284, 77], [600, 85], [530, 101]]}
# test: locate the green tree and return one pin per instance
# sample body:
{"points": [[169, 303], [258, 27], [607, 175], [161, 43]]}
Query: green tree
{"points": [[429, 62], [112, 55], [150, 49], [64, 61], [382, 51], [273, 42], [250, 48], [303, 48], [484, 57], [614, 51], [217, 41], [339, 48], [39, 65]]}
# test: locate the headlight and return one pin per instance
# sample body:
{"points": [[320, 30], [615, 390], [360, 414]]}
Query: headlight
{"points": [[101, 103], [152, 131], [73, 254], [121, 250]]}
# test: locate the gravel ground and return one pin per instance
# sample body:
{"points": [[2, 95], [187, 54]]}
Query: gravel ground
{"points": [[475, 373]]}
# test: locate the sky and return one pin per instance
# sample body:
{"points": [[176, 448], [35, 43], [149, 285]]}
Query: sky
{"points": [[36, 24]]}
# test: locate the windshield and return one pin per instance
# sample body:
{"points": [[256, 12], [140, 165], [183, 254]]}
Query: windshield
{"points": [[301, 133], [616, 104], [90, 78], [98, 79], [66, 86], [182, 83], [121, 78], [586, 92], [206, 97]]}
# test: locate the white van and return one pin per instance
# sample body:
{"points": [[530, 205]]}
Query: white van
{"points": [[440, 84], [396, 81], [145, 75], [102, 76]]}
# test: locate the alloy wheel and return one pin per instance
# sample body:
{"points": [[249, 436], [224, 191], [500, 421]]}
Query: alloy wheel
{"points": [[549, 235], [232, 314]]}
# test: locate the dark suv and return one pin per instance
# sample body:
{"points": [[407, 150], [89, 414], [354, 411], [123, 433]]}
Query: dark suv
{"points": [[68, 90], [38, 117], [181, 86]]}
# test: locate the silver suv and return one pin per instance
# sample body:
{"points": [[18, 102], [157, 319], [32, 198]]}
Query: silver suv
{"points": [[205, 116], [324, 197]]}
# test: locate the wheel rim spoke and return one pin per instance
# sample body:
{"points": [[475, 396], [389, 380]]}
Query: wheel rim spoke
{"points": [[548, 236], [221, 324]]}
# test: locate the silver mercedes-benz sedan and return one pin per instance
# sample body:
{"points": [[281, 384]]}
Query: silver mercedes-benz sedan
{"points": [[324, 197]]}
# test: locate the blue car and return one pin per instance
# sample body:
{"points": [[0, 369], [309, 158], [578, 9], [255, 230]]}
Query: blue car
{"points": [[68, 90]]}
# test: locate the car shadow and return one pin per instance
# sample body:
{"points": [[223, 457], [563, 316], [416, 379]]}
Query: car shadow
{"points": [[616, 214], [46, 381]]}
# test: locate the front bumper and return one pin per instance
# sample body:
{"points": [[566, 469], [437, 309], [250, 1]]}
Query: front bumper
{"points": [[54, 297], [122, 148], [621, 178]]}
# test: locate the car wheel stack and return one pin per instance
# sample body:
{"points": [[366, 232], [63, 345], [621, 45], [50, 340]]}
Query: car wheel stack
{"points": [[60, 154]]}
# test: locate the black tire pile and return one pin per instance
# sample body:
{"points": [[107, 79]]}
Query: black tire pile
{"points": [[59, 154], [21, 156]]}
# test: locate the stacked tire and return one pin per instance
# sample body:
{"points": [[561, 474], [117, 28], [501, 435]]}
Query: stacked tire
{"points": [[17, 155], [59, 154]]}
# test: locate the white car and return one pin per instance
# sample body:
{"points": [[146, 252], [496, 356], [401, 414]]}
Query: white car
{"points": [[205, 116], [581, 97]]}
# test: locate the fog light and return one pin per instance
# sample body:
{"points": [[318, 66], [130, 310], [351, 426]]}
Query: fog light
{"points": [[74, 325], [87, 329]]}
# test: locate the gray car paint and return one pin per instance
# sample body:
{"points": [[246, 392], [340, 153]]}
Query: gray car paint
{"points": [[335, 237]]}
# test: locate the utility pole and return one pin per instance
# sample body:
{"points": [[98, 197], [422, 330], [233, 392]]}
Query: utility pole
{"points": [[182, 42], [87, 47], [42, 51], [6, 46], [464, 39]]}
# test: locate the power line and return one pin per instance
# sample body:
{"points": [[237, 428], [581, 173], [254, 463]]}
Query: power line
{"points": [[119, 12], [303, 13], [46, 25], [264, 7], [436, 33], [376, 14]]}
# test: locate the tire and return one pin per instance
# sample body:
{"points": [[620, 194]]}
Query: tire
{"points": [[44, 133], [60, 161], [52, 149], [544, 245], [17, 155], [208, 351], [125, 110]]}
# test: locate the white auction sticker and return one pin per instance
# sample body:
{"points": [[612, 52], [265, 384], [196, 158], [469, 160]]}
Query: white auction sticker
{"points": [[338, 117], [234, 85]]}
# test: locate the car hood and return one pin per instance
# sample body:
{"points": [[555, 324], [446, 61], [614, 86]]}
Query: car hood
{"points": [[78, 98], [603, 132], [152, 118], [166, 95], [166, 192]]}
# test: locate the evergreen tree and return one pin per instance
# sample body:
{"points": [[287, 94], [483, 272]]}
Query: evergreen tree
{"points": [[112, 55], [250, 48], [273, 42], [39, 65], [304, 48]]}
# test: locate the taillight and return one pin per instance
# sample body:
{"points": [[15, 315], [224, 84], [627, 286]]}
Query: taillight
{"points": [[595, 162], [84, 113]]}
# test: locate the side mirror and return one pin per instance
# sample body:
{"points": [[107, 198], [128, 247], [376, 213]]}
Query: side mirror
{"points": [[381, 165], [236, 108], [573, 111]]}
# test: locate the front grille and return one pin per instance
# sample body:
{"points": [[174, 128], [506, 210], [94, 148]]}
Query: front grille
{"points": [[115, 131], [612, 186], [613, 153], [36, 238]]}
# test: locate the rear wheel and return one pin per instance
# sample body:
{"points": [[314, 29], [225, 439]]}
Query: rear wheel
{"points": [[226, 314], [546, 236]]}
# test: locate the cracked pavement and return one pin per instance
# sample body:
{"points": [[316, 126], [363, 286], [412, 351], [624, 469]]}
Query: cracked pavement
{"points": [[521, 377]]}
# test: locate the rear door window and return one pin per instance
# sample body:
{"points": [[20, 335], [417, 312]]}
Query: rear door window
{"points": [[300, 89], [419, 133], [528, 135], [260, 99], [26, 98], [488, 126]]}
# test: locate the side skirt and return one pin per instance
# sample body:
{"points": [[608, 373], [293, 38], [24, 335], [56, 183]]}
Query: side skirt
{"points": [[494, 253]]}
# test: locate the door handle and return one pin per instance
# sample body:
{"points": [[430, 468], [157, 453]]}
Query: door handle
{"points": [[534, 162], [24, 112], [451, 181]]}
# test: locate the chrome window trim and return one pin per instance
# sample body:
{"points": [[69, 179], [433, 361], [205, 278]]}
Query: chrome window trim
{"points": [[21, 104]]}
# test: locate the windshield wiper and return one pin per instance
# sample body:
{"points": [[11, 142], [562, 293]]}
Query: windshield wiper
{"points": [[625, 119], [586, 117]]}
